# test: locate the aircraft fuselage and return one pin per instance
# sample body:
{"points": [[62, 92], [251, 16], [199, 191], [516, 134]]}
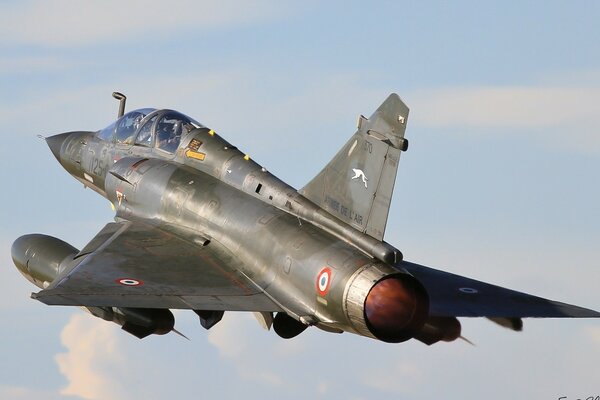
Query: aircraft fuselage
{"points": [[286, 242], [199, 225]]}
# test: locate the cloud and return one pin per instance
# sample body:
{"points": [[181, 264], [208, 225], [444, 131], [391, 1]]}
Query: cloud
{"points": [[75, 23], [242, 350], [92, 359], [558, 115]]}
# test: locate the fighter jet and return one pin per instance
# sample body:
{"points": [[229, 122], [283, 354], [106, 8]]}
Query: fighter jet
{"points": [[201, 226]]}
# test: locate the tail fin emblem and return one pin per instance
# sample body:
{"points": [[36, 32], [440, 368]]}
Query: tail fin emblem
{"points": [[358, 173]]}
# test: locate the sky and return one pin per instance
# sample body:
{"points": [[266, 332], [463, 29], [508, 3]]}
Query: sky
{"points": [[500, 182]]}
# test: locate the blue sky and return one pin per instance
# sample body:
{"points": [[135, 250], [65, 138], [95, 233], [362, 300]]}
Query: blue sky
{"points": [[500, 182]]}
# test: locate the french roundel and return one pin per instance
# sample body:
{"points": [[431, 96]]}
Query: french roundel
{"points": [[129, 282], [323, 281]]}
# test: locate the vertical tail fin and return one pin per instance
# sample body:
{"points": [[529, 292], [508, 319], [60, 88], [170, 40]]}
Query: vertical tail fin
{"points": [[357, 184]]}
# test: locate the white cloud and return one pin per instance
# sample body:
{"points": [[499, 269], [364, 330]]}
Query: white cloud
{"points": [[75, 23], [559, 116], [92, 360], [245, 353]]}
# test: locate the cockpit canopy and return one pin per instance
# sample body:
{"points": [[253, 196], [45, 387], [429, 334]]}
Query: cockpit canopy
{"points": [[149, 127]]}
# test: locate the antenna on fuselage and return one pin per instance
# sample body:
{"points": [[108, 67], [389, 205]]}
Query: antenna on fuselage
{"points": [[122, 99]]}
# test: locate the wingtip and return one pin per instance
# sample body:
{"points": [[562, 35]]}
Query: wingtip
{"points": [[573, 311]]}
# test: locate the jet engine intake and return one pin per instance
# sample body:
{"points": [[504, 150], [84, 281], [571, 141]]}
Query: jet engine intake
{"points": [[385, 304]]}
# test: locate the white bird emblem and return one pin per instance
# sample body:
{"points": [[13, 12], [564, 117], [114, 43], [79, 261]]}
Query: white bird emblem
{"points": [[358, 173]]}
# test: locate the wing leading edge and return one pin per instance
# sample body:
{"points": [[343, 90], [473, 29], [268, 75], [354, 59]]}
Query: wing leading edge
{"points": [[135, 265], [453, 295]]}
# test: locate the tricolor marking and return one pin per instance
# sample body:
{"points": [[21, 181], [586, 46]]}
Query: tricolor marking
{"points": [[129, 282], [323, 281]]}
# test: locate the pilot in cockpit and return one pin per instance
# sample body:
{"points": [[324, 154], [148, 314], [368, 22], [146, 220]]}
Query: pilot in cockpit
{"points": [[168, 134]]}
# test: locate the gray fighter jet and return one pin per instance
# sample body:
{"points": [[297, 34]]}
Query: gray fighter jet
{"points": [[201, 226]]}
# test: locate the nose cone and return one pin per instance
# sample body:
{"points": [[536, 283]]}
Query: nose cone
{"points": [[56, 143], [68, 149]]}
